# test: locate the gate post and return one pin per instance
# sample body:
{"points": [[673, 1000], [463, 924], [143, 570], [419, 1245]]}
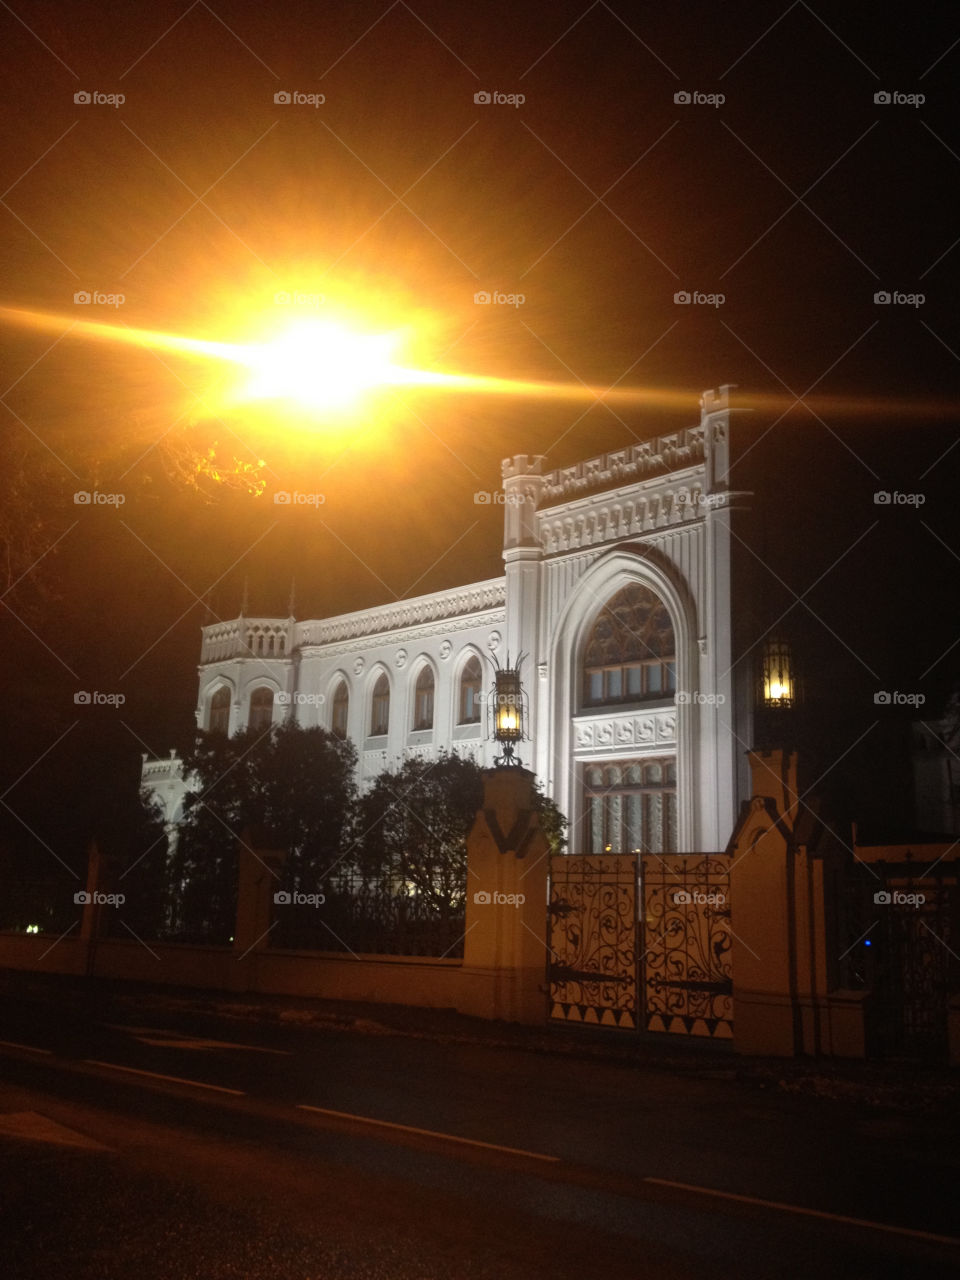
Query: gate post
{"points": [[782, 967], [504, 952]]}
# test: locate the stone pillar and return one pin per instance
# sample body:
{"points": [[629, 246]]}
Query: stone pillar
{"points": [[783, 967], [505, 948], [259, 861]]}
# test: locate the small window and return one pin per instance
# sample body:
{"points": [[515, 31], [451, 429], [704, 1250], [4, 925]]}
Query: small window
{"points": [[380, 707], [341, 708], [261, 709], [423, 700], [470, 682], [220, 711]]}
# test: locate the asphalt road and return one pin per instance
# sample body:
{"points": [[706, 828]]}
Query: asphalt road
{"points": [[197, 1144]]}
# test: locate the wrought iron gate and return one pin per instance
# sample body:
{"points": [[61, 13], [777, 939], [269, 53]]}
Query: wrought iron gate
{"points": [[641, 942], [685, 938], [903, 924], [592, 947]]}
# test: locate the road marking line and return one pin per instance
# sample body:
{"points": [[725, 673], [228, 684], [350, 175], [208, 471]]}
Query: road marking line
{"points": [[810, 1213], [154, 1075], [167, 1039], [31, 1048], [428, 1133]]}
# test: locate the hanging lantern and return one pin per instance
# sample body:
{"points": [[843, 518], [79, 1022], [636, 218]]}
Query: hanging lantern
{"points": [[778, 682]]}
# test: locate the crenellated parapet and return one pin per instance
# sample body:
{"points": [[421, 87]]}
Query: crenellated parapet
{"points": [[248, 638], [674, 452]]}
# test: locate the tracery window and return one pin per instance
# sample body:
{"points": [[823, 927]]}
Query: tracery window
{"points": [[630, 654]]}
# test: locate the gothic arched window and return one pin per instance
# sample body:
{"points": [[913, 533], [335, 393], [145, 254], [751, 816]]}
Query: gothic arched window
{"points": [[630, 654], [423, 700], [261, 709], [470, 682], [219, 715], [380, 706], [341, 706]]}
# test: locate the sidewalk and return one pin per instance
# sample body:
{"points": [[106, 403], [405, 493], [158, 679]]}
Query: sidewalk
{"points": [[904, 1087]]}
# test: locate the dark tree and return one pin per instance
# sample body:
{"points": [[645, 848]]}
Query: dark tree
{"points": [[296, 783]]}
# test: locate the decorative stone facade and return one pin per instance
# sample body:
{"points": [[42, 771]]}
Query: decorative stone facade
{"points": [[656, 516]]}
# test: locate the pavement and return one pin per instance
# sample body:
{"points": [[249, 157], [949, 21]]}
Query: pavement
{"points": [[905, 1087]]}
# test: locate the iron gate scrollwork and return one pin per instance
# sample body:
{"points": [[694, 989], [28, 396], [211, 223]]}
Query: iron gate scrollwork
{"points": [[592, 954], [642, 942], [686, 957]]}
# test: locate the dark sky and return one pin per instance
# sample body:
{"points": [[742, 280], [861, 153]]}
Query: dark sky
{"points": [[797, 198]]}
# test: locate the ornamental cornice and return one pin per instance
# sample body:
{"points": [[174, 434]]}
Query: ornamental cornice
{"points": [[464, 605], [331, 649]]}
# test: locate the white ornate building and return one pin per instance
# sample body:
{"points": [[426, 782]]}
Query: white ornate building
{"points": [[619, 583]]}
